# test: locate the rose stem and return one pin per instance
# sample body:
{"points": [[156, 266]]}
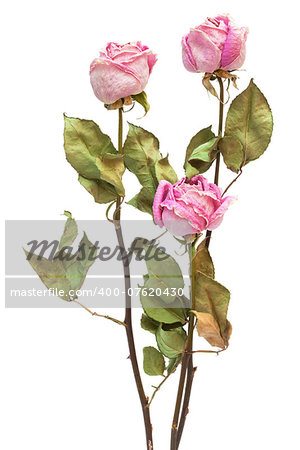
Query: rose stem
{"points": [[187, 360], [128, 317], [220, 131], [190, 369]]}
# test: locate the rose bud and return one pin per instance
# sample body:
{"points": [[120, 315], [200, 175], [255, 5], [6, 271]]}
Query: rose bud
{"points": [[121, 71], [189, 207], [218, 43]]}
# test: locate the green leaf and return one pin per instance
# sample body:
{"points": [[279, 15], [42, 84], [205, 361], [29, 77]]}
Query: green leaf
{"points": [[173, 364], [142, 157], [202, 152], [250, 120], [92, 154], [164, 171], [202, 261], [171, 343], [203, 155], [143, 200], [111, 170], [154, 308], [141, 98], [154, 362], [165, 275], [149, 324], [67, 214], [76, 270], [65, 271], [202, 137], [141, 153], [232, 152], [163, 271], [212, 298], [70, 232], [84, 144], [52, 273], [101, 191]]}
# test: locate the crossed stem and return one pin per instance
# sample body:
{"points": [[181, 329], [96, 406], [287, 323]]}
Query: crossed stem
{"points": [[187, 368], [128, 315]]}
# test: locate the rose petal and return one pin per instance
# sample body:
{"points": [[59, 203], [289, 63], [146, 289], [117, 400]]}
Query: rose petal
{"points": [[125, 55], [187, 57], [206, 54], [152, 59], [216, 30], [216, 190], [217, 217], [112, 81], [204, 201], [175, 225], [234, 51], [159, 197], [195, 217], [139, 65]]}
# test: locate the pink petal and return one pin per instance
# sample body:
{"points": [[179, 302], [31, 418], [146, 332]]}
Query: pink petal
{"points": [[139, 65], [200, 181], [152, 58], [225, 18], [216, 190], [234, 51], [197, 179], [206, 54], [187, 57], [125, 55], [215, 30], [199, 200], [112, 81], [160, 195], [181, 211], [175, 225], [217, 217], [112, 49]]}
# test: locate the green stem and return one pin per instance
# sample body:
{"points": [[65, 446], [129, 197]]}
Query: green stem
{"points": [[128, 315], [220, 132]]}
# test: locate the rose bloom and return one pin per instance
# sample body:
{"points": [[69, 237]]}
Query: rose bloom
{"points": [[218, 43], [121, 70], [189, 207]]}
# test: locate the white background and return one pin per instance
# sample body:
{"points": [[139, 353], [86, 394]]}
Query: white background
{"points": [[65, 380]]}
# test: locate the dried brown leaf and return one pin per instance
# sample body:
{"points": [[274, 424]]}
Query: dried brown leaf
{"points": [[208, 86], [208, 328]]}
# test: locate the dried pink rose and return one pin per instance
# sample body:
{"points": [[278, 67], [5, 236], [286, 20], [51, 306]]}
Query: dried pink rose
{"points": [[189, 207], [121, 70], [218, 43]]}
